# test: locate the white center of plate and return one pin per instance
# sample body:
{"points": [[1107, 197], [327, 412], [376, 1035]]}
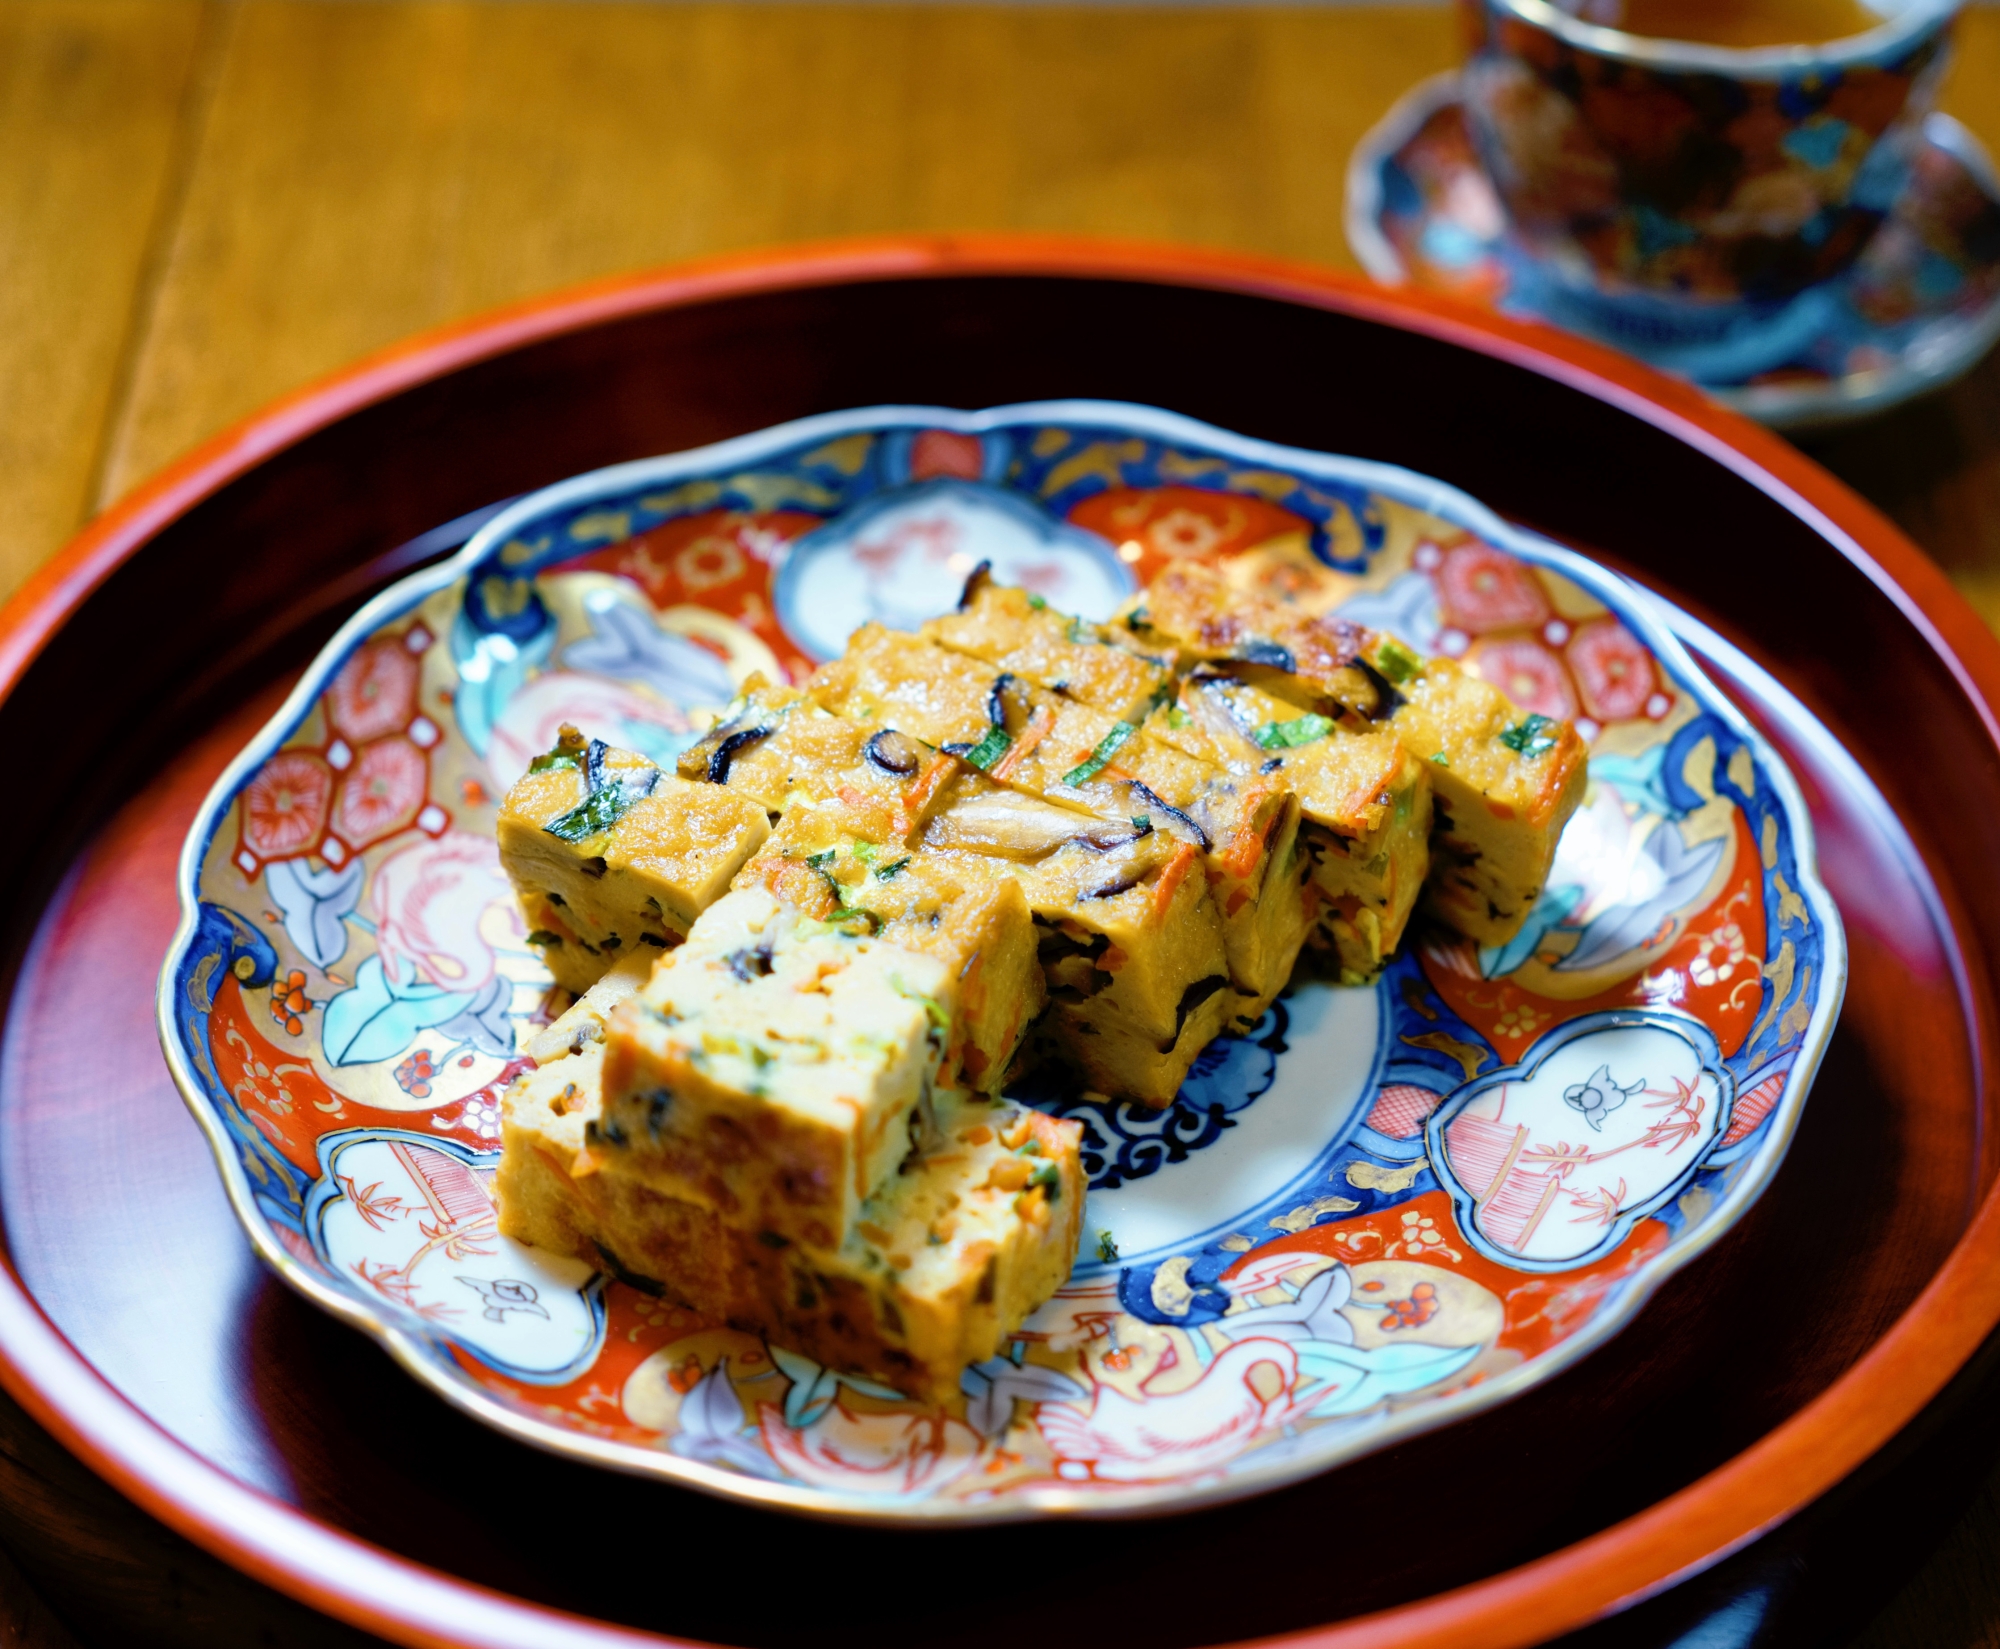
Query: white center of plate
{"points": [[1276, 1147]]}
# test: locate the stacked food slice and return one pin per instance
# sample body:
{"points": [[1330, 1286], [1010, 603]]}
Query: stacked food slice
{"points": [[760, 1123]]}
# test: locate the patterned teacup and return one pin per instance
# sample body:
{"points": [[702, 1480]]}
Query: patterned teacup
{"points": [[1691, 201]]}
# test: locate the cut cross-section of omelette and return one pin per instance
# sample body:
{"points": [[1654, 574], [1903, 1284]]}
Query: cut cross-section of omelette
{"points": [[775, 1069], [608, 854], [954, 1250], [828, 858]]}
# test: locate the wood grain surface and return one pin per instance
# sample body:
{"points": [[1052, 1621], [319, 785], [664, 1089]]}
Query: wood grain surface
{"points": [[206, 203]]}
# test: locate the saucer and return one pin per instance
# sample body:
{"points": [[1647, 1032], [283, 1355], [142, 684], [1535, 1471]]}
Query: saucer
{"points": [[1919, 308]]}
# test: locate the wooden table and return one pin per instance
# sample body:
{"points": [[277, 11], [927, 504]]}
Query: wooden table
{"points": [[206, 203]]}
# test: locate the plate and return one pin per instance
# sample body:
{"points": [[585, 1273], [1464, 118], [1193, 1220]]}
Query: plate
{"points": [[1920, 307], [1381, 1210]]}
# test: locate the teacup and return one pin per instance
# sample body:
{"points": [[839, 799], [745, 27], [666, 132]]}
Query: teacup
{"points": [[1690, 201]]}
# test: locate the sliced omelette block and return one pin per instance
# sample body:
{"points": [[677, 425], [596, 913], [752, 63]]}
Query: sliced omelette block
{"points": [[828, 859], [942, 1265], [1365, 803], [607, 853], [1131, 950], [1193, 614], [775, 1069], [1046, 744], [1505, 784], [1015, 631]]}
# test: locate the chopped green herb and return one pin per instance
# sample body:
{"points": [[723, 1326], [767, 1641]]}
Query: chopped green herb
{"points": [[1037, 602], [1527, 738], [865, 852], [1049, 1178], [542, 936], [1098, 759], [932, 1010], [819, 861], [1164, 694], [894, 868], [1397, 662], [1107, 1250], [1442, 759], [989, 749], [1138, 619], [592, 816], [1177, 717], [568, 752], [1142, 822], [1289, 735]]}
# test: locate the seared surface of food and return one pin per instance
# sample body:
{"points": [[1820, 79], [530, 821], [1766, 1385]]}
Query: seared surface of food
{"points": [[1033, 739], [608, 854], [1504, 783], [952, 1253]]}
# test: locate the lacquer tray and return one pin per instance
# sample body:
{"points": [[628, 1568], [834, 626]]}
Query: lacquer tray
{"points": [[139, 1328], [1380, 1209]]}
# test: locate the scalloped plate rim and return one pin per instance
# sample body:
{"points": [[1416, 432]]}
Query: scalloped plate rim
{"points": [[423, 1361]]}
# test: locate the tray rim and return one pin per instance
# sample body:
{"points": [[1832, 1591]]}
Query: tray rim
{"points": [[408, 1602], [1654, 621]]}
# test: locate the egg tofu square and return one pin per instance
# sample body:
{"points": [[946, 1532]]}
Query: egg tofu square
{"points": [[607, 854], [774, 1069]]}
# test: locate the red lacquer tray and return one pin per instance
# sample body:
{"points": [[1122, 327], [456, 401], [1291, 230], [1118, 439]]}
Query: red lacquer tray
{"points": [[135, 1325]]}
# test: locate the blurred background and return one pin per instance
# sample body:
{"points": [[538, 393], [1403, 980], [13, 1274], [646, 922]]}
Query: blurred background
{"points": [[206, 204]]}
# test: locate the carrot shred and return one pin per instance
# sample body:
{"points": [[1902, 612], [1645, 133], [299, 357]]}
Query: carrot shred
{"points": [[1172, 877], [586, 1163], [1040, 725], [925, 786]]}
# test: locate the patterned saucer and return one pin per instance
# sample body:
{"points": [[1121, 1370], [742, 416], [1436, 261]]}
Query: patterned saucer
{"points": [[1382, 1210], [1920, 307]]}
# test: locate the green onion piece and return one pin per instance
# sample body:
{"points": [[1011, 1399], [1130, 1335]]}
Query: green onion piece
{"points": [[884, 872], [1098, 759], [989, 749], [594, 815], [1049, 1178], [1142, 822], [552, 759], [1081, 631], [1107, 1250], [1396, 662], [1527, 738], [1289, 735], [1037, 602], [1442, 759], [1177, 717], [819, 861]]}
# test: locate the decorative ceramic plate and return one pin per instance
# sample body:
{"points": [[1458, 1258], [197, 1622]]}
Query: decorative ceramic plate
{"points": [[1920, 307], [1383, 1209]]}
